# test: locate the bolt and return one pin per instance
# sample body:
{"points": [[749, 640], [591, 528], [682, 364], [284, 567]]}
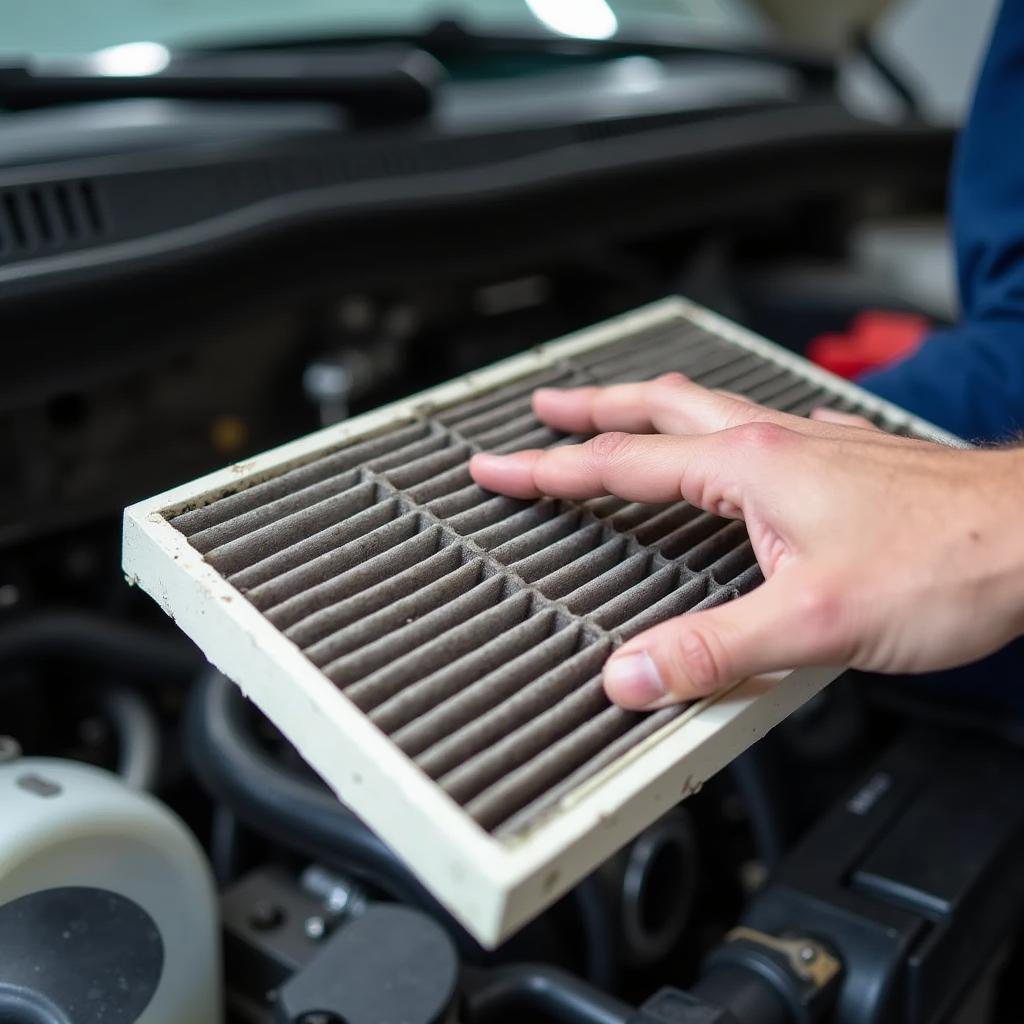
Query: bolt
{"points": [[315, 927], [808, 954], [338, 899], [265, 915]]}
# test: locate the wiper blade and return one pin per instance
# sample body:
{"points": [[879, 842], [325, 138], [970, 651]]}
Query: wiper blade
{"points": [[373, 84], [450, 41]]}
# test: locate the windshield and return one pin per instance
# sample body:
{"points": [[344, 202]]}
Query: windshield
{"points": [[78, 26]]}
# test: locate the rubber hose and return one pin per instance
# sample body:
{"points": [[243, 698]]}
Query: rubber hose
{"points": [[91, 639], [274, 801], [751, 774], [591, 903], [522, 990]]}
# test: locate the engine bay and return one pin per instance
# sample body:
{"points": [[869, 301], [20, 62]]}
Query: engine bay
{"points": [[185, 295]]}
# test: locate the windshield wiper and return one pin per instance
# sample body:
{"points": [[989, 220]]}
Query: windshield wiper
{"points": [[373, 84], [449, 41]]}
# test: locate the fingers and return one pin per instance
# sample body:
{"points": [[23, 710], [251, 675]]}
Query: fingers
{"points": [[786, 623], [671, 404], [845, 419], [712, 472]]}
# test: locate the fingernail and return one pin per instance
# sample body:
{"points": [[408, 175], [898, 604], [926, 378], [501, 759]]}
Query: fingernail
{"points": [[633, 680]]}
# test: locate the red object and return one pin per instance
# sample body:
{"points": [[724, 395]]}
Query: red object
{"points": [[875, 338]]}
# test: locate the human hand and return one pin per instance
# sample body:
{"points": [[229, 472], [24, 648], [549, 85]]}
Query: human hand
{"points": [[882, 553]]}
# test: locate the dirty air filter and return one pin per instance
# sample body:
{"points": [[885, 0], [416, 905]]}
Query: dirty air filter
{"points": [[434, 651]]}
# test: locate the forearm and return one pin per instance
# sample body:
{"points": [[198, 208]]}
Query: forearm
{"points": [[986, 555]]}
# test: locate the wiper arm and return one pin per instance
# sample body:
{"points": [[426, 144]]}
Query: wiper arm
{"points": [[373, 84]]}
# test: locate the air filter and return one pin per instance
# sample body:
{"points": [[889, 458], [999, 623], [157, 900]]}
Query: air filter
{"points": [[434, 650]]}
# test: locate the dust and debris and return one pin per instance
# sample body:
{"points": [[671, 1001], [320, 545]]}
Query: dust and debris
{"points": [[551, 879]]}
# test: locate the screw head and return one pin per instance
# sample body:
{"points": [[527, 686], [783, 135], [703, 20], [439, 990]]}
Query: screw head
{"points": [[315, 928], [808, 954], [10, 749]]}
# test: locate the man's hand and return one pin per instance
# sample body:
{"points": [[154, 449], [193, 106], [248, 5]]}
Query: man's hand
{"points": [[879, 552]]}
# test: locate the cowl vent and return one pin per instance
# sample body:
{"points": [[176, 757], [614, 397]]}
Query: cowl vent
{"points": [[435, 650], [46, 218]]}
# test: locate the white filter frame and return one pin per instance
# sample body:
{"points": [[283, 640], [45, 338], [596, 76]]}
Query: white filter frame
{"points": [[492, 885]]}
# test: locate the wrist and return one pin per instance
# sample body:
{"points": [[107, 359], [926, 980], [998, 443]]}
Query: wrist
{"points": [[995, 537]]}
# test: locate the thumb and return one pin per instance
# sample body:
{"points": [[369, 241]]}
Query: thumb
{"points": [[786, 623]]}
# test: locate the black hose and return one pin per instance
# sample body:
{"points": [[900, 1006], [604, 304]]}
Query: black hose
{"points": [[752, 774], [224, 845], [90, 639], [274, 801], [591, 901], [745, 995], [520, 991]]}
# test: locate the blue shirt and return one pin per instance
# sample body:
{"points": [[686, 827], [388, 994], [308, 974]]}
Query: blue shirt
{"points": [[970, 378]]}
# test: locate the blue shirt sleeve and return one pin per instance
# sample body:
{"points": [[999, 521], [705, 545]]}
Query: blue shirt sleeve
{"points": [[970, 378]]}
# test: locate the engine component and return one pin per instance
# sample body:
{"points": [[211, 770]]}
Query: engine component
{"points": [[434, 651], [390, 964], [652, 882], [913, 880], [522, 991], [802, 973], [107, 908], [272, 929]]}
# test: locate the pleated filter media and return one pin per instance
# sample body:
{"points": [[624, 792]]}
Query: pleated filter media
{"points": [[435, 650]]}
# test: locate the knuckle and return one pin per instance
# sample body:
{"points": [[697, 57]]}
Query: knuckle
{"points": [[669, 385], [761, 435], [609, 445]]}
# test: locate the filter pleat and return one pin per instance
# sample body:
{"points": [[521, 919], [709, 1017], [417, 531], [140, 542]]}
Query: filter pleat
{"points": [[488, 691], [295, 480], [492, 655], [303, 591], [502, 799], [645, 726], [518, 709], [388, 624], [281, 546], [519, 747], [437, 639], [365, 595]]}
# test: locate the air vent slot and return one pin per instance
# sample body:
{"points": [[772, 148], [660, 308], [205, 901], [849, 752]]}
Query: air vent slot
{"points": [[47, 218]]}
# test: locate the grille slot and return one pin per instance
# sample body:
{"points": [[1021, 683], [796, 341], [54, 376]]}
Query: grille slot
{"points": [[435, 650], [49, 217], [448, 614]]}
